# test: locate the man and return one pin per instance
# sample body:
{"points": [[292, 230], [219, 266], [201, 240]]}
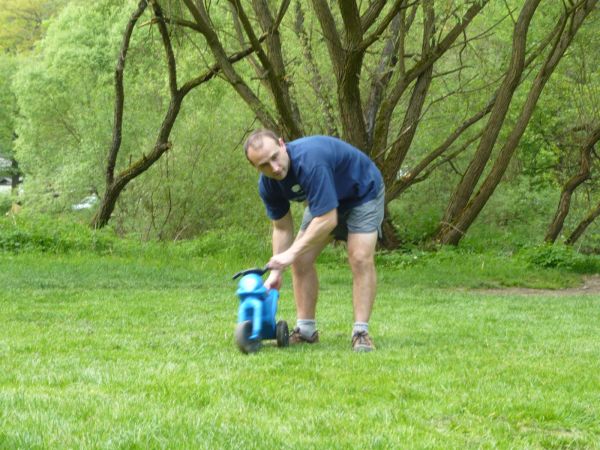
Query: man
{"points": [[345, 196]]}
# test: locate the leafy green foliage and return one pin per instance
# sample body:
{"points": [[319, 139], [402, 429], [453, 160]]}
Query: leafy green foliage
{"points": [[44, 234], [560, 256], [64, 92], [5, 204], [22, 23], [66, 102], [7, 108]]}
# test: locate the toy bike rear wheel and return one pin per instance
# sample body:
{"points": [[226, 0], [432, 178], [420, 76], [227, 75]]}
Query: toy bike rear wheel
{"points": [[243, 331], [282, 333]]}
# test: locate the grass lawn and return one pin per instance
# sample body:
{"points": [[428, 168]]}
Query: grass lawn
{"points": [[138, 352]]}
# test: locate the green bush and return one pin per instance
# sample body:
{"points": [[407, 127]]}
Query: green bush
{"points": [[43, 234], [561, 257], [233, 243], [5, 204]]}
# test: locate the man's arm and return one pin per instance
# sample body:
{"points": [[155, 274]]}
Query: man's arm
{"points": [[283, 236], [318, 230], [283, 233]]}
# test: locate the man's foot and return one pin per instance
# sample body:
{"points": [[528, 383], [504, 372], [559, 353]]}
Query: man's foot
{"points": [[361, 342], [297, 338]]}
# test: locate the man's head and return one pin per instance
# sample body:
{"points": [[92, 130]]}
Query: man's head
{"points": [[267, 153]]}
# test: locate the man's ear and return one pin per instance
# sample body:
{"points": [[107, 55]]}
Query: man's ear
{"points": [[281, 143]]}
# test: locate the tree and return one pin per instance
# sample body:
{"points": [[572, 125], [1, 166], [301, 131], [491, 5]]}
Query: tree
{"points": [[583, 225], [61, 91], [464, 208], [22, 23], [115, 183], [348, 37], [422, 87], [7, 119], [569, 188]]}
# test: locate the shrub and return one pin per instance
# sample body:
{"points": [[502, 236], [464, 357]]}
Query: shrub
{"points": [[559, 256], [5, 204], [39, 233]]}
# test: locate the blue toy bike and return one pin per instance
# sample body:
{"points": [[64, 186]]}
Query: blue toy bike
{"points": [[256, 313]]}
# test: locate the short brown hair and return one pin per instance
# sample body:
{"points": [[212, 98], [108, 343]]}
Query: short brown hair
{"points": [[256, 139]]}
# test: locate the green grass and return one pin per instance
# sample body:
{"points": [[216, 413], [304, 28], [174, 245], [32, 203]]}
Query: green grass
{"points": [[137, 351]]}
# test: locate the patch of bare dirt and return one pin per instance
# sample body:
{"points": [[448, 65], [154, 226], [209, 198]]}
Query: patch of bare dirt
{"points": [[591, 286]]}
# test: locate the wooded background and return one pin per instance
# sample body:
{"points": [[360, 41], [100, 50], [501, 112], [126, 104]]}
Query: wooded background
{"points": [[480, 114]]}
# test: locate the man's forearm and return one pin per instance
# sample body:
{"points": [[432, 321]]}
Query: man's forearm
{"points": [[318, 230], [282, 239], [283, 234], [316, 234]]}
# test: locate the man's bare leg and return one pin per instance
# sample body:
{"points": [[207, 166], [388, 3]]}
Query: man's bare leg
{"points": [[306, 282], [361, 255]]}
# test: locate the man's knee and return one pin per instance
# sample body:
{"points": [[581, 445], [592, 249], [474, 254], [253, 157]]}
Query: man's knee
{"points": [[303, 264], [361, 252], [361, 260]]}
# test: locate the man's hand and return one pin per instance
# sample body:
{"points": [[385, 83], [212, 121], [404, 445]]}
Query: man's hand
{"points": [[281, 260], [274, 280]]}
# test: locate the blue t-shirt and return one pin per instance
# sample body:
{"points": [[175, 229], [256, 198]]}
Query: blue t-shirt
{"points": [[327, 172]]}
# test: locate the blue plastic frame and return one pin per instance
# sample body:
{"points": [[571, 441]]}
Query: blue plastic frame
{"points": [[258, 305]]}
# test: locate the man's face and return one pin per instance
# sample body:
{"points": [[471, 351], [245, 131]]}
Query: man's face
{"points": [[271, 159]]}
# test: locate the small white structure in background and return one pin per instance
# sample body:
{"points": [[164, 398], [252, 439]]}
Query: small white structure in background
{"points": [[5, 163], [5, 185], [5, 178], [87, 203]]}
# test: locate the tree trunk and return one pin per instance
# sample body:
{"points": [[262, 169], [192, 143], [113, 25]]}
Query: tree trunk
{"points": [[578, 232], [562, 211], [504, 96], [116, 184], [389, 239], [316, 79], [456, 226], [14, 175], [574, 182], [114, 189], [107, 206]]}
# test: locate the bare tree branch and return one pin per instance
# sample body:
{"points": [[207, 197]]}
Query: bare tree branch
{"points": [[216, 68], [200, 15], [172, 67], [179, 22], [120, 95], [383, 75], [504, 95], [371, 14], [274, 71], [388, 106], [373, 37], [316, 79], [583, 225], [330, 33], [395, 157], [445, 160]]}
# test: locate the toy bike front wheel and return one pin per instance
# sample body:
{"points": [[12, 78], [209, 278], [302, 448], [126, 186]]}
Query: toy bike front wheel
{"points": [[243, 331], [282, 333]]}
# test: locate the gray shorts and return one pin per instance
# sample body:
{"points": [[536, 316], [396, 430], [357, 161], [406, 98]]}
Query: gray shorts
{"points": [[365, 218]]}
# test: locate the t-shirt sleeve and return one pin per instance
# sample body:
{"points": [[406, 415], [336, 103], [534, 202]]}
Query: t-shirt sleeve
{"points": [[320, 191], [276, 206]]}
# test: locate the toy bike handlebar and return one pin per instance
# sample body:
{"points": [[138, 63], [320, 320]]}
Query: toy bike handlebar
{"points": [[256, 270]]}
